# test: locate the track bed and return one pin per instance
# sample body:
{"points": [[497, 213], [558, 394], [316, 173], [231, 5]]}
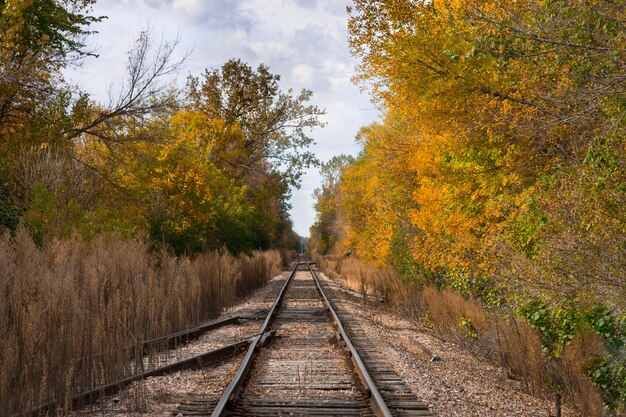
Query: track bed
{"points": [[311, 367]]}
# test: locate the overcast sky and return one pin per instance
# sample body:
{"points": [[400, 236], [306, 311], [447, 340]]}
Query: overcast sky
{"points": [[305, 41]]}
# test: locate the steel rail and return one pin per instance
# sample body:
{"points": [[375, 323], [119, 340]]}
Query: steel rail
{"points": [[89, 397], [246, 365], [174, 339], [377, 402]]}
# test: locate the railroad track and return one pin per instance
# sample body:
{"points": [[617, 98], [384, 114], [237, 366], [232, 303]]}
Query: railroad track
{"points": [[303, 362], [161, 356]]}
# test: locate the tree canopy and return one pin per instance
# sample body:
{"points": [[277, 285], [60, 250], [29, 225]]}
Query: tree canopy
{"points": [[275, 123], [498, 166], [210, 166], [501, 148]]}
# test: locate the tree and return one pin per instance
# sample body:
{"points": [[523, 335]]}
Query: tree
{"points": [[505, 103], [37, 39], [327, 232], [504, 131], [274, 123], [172, 187], [203, 174], [146, 92], [275, 126]]}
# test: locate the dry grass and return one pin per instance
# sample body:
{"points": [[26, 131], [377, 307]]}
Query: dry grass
{"points": [[583, 394], [508, 341], [286, 257], [69, 310], [505, 340], [382, 285]]}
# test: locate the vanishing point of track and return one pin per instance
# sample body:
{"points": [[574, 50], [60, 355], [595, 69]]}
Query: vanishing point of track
{"points": [[303, 362]]}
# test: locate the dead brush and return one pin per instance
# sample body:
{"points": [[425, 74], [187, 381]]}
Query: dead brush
{"points": [[511, 343], [381, 286], [286, 257], [569, 373], [73, 313]]}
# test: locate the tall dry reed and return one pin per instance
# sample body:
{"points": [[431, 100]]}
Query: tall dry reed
{"points": [[505, 340], [381, 285], [70, 309]]}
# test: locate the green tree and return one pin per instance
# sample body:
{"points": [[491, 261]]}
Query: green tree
{"points": [[37, 39], [275, 123], [275, 126]]}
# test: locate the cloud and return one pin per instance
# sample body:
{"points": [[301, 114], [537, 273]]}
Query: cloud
{"points": [[211, 14], [158, 4], [307, 4], [214, 15]]}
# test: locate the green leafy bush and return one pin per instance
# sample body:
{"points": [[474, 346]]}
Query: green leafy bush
{"points": [[559, 324]]}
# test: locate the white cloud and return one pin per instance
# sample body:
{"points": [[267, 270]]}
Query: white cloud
{"points": [[188, 6], [303, 74]]}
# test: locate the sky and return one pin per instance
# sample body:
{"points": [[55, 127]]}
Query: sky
{"points": [[305, 41]]}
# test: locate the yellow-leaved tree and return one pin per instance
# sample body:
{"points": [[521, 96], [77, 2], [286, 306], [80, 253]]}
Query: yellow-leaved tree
{"points": [[499, 164]]}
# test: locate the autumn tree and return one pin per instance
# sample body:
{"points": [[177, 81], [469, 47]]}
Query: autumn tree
{"points": [[171, 187], [327, 233], [37, 40], [499, 164], [275, 125], [164, 162], [506, 102]]}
